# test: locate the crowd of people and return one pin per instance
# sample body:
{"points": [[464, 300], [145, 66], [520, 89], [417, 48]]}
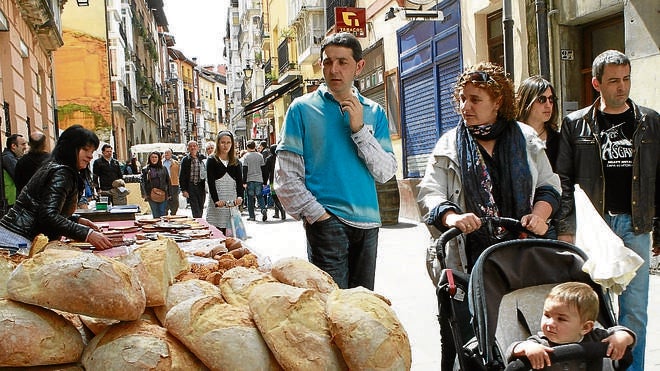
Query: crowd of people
{"points": [[506, 157]]}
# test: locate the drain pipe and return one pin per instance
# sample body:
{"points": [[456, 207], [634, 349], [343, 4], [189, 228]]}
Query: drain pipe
{"points": [[507, 24], [543, 43]]}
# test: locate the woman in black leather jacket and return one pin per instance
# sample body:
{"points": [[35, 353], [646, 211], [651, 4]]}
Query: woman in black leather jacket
{"points": [[47, 203]]}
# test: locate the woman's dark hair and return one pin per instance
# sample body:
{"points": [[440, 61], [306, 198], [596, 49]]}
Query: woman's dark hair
{"points": [[157, 164], [530, 89], [69, 144]]}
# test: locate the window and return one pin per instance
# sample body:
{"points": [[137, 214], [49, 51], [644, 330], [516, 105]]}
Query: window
{"points": [[495, 38]]}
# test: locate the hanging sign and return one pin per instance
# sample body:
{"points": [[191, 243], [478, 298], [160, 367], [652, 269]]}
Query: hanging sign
{"points": [[353, 20]]}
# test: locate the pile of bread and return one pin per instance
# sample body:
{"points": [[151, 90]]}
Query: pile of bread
{"points": [[80, 310]]}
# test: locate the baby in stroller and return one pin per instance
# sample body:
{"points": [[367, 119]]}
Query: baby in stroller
{"points": [[501, 301], [569, 314]]}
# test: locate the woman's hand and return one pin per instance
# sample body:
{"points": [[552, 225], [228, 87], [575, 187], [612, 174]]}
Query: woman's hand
{"points": [[99, 240], [220, 203], [467, 222], [535, 224], [88, 223]]}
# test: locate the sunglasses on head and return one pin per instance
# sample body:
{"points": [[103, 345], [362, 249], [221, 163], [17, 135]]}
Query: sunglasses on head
{"points": [[542, 99], [478, 76]]}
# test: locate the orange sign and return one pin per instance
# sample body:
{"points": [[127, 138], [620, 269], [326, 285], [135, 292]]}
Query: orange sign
{"points": [[353, 20]]}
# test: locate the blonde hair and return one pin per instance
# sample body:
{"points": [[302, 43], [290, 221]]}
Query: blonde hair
{"points": [[578, 295]]}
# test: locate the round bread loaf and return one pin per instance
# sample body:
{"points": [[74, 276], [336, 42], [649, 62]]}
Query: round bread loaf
{"points": [[78, 282], [301, 273], [34, 336], [138, 345], [222, 335], [184, 290], [292, 321], [368, 332]]}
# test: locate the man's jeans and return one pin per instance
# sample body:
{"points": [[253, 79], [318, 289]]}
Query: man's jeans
{"points": [[633, 302], [346, 253], [254, 190]]}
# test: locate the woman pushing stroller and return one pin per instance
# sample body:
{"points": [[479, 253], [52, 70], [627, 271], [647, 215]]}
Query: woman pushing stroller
{"points": [[489, 165]]}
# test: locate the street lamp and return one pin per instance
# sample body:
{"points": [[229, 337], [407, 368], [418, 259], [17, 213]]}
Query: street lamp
{"points": [[248, 71]]}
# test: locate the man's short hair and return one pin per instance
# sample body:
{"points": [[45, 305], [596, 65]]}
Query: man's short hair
{"points": [[251, 144], [105, 146], [263, 144], [345, 39], [12, 139], [607, 57]]}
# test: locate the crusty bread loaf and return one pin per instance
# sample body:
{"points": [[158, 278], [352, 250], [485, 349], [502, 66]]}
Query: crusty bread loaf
{"points": [[157, 263], [222, 335], [33, 336], [237, 283], [78, 282], [97, 325], [292, 321], [6, 267], [138, 345], [184, 290], [301, 273], [368, 332]]}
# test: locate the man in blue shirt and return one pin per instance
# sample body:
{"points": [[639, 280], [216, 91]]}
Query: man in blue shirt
{"points": [[335, 145]]}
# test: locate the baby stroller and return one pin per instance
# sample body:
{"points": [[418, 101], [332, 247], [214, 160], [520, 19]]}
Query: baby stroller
{"points": [[501, 301]]}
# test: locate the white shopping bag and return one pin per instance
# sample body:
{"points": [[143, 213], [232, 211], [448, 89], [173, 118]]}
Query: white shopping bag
{"points": [[610, 263]]}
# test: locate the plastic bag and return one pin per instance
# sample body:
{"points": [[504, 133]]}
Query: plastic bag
{"points": [[610, 263], [236, 226]]}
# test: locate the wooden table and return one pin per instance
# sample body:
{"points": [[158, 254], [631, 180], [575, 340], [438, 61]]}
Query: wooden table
{"points": [[215, 232]]}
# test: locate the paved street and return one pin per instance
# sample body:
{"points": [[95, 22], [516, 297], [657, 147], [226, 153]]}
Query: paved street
{"points": [[401, 276]]}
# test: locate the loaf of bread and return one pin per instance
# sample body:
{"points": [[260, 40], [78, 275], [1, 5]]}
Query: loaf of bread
{"points": [[237, 283], [157, 263], [138, 345], [33, 336], [301, 273], [222, 335], [368, 332], [292, 321], [184, 290], [78, 282], [6, 267]]}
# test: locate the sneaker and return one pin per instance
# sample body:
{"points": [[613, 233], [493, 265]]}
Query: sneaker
{"points": [[251, 219], [264, 216]]}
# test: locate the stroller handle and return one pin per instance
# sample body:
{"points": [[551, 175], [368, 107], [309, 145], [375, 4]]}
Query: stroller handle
{"points": [[574, 352], [491, 222]]}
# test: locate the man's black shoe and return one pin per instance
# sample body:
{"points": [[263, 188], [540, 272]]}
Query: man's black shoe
{"points": [[264, 216]]}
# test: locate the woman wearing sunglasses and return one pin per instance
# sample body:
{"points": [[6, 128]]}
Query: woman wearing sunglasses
{"points": [[488, 165], [537, 107]]}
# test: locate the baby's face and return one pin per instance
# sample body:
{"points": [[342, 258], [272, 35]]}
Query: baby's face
{"points": [[561, 323]]}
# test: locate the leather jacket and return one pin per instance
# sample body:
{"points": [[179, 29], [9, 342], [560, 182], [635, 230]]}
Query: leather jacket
{"points": [[579, 162], [46, 205]]}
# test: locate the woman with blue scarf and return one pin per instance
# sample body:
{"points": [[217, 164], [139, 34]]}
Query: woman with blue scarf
{"points": [[488, 165]]}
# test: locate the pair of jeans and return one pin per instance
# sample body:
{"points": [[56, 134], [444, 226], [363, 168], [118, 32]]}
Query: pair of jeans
{"points": [[254, 190], [346, 253], [173, 204], [158, 209], [633, 302], [196, 198]]}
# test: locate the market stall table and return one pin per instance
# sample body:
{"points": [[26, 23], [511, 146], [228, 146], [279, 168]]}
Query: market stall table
{"points": [[125, 212]]}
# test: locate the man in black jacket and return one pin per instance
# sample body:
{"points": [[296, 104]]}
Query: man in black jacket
{"points": [[31, 161], [612, 150], [192, 178], [106, 170]]}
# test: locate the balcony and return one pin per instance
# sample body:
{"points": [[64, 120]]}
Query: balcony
{"points": [[39, 15], [288, 69]]}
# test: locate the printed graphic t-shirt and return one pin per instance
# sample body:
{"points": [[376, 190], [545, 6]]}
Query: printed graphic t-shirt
{"points": [[616, 138]]}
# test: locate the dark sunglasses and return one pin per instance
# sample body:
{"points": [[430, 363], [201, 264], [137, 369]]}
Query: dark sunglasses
{"points": [[542, 99], [477, 77]]}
